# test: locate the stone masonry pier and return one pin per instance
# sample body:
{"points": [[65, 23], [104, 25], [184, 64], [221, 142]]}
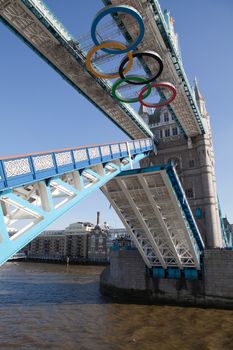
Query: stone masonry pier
{"points": [[126, 279]]}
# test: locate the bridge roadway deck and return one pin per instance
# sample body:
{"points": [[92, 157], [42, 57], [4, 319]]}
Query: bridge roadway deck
{"points": [[38, 27], [157, 38]]}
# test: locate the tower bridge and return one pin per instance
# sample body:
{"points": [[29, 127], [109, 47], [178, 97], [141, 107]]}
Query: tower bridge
{"points": [[170, 207]]}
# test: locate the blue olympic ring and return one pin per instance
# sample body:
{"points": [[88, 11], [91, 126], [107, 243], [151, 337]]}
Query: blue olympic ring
{"points": [[113, 9]]}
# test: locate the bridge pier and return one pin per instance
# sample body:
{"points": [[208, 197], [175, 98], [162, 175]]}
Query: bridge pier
{"points": [[127, 279]]}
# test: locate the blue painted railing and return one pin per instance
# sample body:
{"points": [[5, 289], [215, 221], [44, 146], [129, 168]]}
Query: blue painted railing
{"points": [[18, 171]]}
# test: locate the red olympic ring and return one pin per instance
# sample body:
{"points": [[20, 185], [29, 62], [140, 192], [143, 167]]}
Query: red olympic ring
{"points": [[156, 105]]}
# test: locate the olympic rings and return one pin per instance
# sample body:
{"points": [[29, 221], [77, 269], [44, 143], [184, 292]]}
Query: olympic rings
{"points": [[104, 45], [113, 9], [130, 100], [116, 48], [163, 84], [152, 54]]}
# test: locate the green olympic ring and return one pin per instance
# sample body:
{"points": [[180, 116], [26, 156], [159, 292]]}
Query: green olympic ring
{"points": [[130, 100]]}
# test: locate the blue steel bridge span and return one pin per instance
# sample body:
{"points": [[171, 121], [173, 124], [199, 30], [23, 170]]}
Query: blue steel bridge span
{"points": [[37, 189]]}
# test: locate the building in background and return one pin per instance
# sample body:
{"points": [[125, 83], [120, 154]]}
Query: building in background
{"points": [[70, 243], [79, 242], [120, 239], [99, 242], [49, 245], [76, 240], [117, 233]]}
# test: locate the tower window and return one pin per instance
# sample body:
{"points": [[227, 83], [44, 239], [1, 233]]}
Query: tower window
{"points": [[189, 193], [166, 117], [167, 132], [161, 134], [174, 131], [191, 163]]}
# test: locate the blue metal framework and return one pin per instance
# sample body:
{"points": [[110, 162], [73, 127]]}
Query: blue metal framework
{"points": [[37, 189], [19, 171]]}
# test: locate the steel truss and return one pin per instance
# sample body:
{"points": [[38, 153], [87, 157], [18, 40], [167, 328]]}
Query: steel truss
{"points": [[157, 216], [27, 209]]}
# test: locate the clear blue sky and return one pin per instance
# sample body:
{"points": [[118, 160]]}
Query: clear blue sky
{"points": [[39, 111]]}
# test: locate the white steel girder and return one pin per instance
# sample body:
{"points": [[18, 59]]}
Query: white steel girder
{"points": [[150, 211]]}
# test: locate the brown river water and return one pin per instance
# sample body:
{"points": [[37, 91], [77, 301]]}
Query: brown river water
{"points": [[45, 306]]}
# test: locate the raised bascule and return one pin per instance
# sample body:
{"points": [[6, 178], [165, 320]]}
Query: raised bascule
{"points": [[169, 205]]}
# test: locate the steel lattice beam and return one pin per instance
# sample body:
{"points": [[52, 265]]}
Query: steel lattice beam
{"points": [[148, 202]]}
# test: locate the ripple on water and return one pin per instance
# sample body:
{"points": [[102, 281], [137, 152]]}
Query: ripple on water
{"points": [[54, 307]]}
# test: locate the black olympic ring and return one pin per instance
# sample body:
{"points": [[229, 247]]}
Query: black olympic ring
{"points": [[152, 54]]}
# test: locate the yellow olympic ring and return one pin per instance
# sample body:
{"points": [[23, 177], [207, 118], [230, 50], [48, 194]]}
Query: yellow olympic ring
{"points": [[114, 45]]}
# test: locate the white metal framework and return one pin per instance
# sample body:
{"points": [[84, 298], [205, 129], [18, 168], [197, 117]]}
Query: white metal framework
{"points": [[150, 210]]}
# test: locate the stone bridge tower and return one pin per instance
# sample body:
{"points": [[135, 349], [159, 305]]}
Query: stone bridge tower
{"points": [[194, 162]]}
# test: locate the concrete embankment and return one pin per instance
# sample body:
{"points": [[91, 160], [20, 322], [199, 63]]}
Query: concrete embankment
{"points": [[127, 280]]}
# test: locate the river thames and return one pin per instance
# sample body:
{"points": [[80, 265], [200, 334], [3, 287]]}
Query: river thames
{"points": [[45, 306]]}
